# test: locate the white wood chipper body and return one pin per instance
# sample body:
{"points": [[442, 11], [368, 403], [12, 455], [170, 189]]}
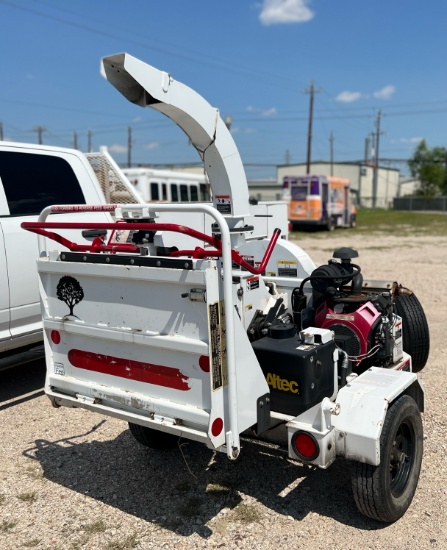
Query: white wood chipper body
{"points": [[176, 320]]}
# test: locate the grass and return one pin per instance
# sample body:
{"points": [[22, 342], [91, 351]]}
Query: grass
{"points": [[127, 543], [31, 543], [28, 497], [246, 513], [380, 221], [95, 527], [7, 526]]}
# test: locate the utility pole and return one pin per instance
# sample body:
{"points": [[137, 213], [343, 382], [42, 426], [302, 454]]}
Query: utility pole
{"points": [[367, 146], [311, 91], [89, 141], [331, 141], [40, 130], [129, 147], [1, 131], [376, 160], [75, 140]]}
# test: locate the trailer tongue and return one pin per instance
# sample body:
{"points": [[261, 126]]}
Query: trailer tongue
{"points": [[179, 322]]}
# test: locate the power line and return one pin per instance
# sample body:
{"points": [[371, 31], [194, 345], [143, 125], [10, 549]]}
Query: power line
{"points": [[232, 68]]}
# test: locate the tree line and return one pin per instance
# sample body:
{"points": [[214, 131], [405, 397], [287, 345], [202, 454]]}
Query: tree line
{"points": [[429, 166]]}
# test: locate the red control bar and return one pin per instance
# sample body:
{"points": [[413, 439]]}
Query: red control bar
{"points": [[44, 229]]}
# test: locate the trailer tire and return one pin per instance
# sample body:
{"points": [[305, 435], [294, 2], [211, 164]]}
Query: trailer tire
{"points": [[154, 439], [385, 492], [416, 336]]}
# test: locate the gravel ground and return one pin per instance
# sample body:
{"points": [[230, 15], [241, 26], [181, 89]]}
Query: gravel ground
{"points": [[73, 479]]}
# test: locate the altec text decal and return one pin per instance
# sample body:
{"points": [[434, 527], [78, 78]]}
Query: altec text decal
{"points": [[282, 384]]}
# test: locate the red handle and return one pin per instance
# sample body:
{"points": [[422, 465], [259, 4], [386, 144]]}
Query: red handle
{"points": [[41, 228]]}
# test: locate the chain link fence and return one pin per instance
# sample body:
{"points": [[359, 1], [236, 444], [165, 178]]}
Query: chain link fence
{"points": [[438, 204]]}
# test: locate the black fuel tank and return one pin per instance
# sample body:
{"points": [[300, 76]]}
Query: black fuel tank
{"points": [[299, 375]]}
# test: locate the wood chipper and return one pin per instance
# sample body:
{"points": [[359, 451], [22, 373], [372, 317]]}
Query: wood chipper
{"points": [[173, 318]]}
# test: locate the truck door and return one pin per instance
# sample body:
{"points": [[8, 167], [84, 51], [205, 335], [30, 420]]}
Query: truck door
{"points": [[324, 201], [4, 293], [30, 183], [346, 206]]}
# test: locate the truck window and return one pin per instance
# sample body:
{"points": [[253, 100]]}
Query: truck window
{"points": [[33, 182], [194, 193], [299, 192], [314, 187], [204, 192], [174, 192], [155, 195], [164, 191], [184, 193]]}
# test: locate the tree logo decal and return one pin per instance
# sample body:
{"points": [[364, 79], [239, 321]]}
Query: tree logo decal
{"points": [[70, 291]]}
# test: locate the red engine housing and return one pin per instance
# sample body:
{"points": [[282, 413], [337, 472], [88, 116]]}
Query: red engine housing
{"points": [[352, 330]]}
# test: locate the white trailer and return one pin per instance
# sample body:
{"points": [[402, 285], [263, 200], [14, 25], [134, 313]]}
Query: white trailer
{"points": [[225, 336]]}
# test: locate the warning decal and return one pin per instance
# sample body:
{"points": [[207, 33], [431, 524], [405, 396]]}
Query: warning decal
{"points": [[223, 204], [218, 345], [287, 268], [252, 283]]}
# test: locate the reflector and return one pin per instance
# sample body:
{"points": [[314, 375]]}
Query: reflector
{"points": [[305, 446]]}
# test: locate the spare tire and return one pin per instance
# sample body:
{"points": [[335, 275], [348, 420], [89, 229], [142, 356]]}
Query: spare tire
{"points": [[416, 337]]}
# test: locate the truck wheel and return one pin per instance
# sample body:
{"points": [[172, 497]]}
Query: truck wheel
{"points": [[416, 337], [385, 492], [330, 224], [353, 221], [154, 439]]}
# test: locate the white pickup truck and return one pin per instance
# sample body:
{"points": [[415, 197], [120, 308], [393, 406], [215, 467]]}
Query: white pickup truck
{"points": [[31, 178]]}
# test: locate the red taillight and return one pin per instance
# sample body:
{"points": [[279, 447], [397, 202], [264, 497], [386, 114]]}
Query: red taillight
{"points": [[290, 226], [55, 337], [305, 446], [217, 427], [204, 363]]}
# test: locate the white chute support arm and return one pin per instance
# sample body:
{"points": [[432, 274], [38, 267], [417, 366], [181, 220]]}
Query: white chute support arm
{"points": [[148, 87]]}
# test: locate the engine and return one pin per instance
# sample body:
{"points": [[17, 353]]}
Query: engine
{"points": [[364, 323], [366, 332]]}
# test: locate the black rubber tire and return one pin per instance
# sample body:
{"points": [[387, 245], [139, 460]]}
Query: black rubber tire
{"points": [[330, 224], [385, 492], [353, 221], [416, 336], [154, 439]]}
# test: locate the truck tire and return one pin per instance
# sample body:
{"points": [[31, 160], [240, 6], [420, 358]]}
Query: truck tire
{"points": [[330, 224], [154, 439], [353, 221], [416, 336], [385, 492]]}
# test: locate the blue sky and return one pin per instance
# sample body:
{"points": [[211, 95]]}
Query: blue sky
{"points": [[253, 60]]}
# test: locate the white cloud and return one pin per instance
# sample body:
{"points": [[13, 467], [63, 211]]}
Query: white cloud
{"points": [[269, 112], [239, 130], [263, 112], [152, 145], [285, 11], [118, 148], [349, 97], [385, 93], [411, 140]]}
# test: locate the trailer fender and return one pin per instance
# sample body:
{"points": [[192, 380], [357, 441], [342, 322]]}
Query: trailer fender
{"points": [[361, 409]]}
